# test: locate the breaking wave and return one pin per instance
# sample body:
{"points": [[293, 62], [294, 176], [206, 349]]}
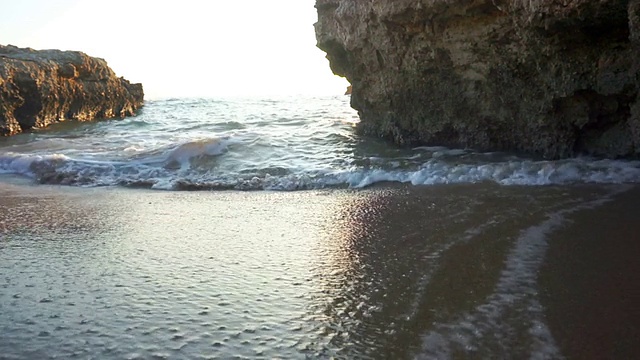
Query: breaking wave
{"points": [[192, 166], [272, 144]]}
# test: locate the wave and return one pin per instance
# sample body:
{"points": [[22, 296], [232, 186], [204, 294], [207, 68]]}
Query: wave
{"points": [[184, 153], [180, 154], [193, 165]]}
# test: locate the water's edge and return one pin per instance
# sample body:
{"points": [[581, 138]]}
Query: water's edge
{"points": [[469, 270], [267, 144]]}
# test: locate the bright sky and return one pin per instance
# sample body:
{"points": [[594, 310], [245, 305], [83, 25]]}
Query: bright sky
{"points": [[186, 47]]}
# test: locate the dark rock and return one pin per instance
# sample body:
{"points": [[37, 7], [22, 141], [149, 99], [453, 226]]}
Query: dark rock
{"points": [[546, 77], [39, 88]]}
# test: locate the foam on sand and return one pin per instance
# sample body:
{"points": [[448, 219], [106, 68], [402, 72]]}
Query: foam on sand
{"points": [[514, 306]]}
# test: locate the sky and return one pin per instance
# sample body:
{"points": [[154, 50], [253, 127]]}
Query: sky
{"points": [[183, 48]]}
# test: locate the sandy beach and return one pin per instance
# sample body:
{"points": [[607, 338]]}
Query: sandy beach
{"points": [[385, 272], [591, 281]]}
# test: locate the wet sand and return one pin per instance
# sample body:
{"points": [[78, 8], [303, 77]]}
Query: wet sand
{"points": [[591, 281], [393, 271]]}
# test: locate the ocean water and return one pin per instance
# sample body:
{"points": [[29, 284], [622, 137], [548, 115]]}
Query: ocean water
{"points": [[285, 143]]}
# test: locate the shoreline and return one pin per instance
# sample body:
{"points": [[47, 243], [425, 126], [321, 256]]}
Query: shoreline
{"points": [[389, 234], [597, 252]]}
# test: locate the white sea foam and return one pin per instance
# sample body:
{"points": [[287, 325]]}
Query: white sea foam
{"points": [[284, 144], [14, 163], [513, 304], [172, 169], [522, 172]]}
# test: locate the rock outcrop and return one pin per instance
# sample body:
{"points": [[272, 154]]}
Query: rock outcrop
{"points": [[555, 78], [38, 88]]}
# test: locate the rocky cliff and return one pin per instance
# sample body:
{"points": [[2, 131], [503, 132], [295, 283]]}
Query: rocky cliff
{"points": [[38, 88], [555, 78]]}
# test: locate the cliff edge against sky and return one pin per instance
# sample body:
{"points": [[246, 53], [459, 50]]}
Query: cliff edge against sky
{"points": [[38, 88], [547, 77]]}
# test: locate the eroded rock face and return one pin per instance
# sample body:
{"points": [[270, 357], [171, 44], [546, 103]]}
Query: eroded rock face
{"points": [[555, 78], [38, 88]]}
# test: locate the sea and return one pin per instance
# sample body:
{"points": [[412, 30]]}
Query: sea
{"points": [[286, 144], [266, 227]]}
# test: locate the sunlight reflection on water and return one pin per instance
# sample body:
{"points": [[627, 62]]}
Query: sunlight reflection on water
{"points": [[116, 273]]}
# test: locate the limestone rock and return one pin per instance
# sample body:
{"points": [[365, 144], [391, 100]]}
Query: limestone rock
{"points": [[555, 78], [38, 88]]}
